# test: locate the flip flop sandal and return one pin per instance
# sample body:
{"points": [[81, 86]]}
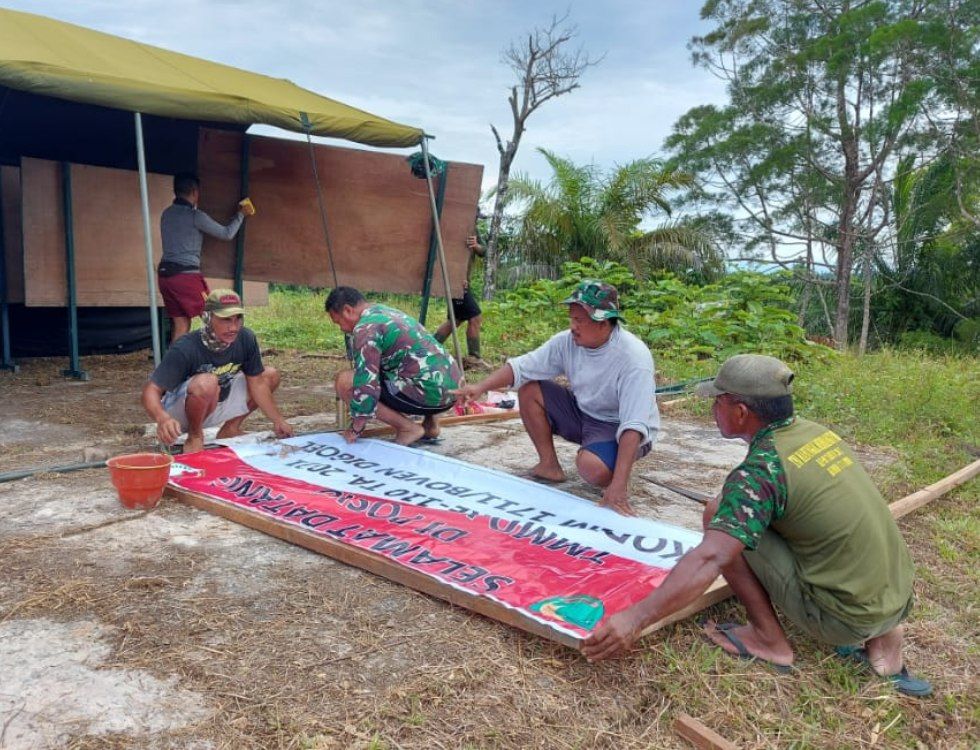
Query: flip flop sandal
{"points": [[744, 654], [903, 682]]}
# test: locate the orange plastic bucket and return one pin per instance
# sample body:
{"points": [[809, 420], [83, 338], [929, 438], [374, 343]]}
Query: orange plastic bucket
{"points": [[139, 478]]}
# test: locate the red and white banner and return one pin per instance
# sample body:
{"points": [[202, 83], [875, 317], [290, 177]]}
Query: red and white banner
{"points": [[556, 558]]}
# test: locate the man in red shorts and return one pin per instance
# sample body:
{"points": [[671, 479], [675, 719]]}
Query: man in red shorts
{"points": [[182, 227]]}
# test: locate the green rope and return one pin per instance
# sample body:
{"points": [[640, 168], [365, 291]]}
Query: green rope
{"points": [[415, 161]]}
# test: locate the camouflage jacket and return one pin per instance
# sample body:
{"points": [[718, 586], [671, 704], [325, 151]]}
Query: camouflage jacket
{"points": [[391, 350], [755, 492]]}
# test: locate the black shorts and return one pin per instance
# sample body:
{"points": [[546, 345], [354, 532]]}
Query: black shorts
{"points": [[465, 308], [395, 400]]}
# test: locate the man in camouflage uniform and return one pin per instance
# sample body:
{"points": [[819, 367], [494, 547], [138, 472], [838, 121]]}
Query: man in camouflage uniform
{"points": [[399, 368], [798, 525]]}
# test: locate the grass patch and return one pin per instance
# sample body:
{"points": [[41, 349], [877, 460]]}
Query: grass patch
{"points": [[923, 405]]}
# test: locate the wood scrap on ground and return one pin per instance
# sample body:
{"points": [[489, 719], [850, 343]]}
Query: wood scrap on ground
{"points": [[702, 737]]}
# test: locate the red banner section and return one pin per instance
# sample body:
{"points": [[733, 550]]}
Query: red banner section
{"points": [[523, 565]]}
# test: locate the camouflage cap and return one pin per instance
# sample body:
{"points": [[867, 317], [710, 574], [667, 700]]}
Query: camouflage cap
{"points": [[224, 303], [752, 375], [600, 300]]}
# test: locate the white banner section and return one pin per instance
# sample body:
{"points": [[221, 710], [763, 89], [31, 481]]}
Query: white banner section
{"points": [[541, 514]]}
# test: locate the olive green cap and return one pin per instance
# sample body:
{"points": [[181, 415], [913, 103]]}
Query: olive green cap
{"points": [[752, 375]]}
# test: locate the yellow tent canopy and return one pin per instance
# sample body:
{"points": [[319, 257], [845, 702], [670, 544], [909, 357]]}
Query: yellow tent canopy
{"points": [[64, 61]]}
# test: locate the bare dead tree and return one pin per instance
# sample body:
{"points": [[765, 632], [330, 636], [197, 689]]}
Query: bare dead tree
{"points": [[545, 69]]}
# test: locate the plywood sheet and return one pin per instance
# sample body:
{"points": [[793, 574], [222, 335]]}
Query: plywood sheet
{"points": [[110, 258], [110, 263], [378, 214], [12, 235]]}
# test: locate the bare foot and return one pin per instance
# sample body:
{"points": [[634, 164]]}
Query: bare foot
{"points": [[777, 651], [431, 426], [229, 430], [194, 443], [551, 472], [410, 434], [885, 651]]}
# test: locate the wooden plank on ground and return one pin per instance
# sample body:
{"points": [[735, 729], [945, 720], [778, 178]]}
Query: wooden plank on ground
{"points": [[373, 563], [917, 499], [702, 737], [378, 214]]}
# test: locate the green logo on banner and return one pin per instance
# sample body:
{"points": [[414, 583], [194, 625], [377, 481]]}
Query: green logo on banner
{"points": [[581, 610]]}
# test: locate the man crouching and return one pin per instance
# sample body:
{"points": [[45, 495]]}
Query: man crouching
{"points": [[399, 369], [212, 376]]}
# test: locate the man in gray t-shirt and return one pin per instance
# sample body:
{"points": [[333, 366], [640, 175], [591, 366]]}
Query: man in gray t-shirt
{"points": [[609, 409], [182, 229]]}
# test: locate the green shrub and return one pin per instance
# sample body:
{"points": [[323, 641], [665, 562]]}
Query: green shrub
{"points": [[742, 312]]}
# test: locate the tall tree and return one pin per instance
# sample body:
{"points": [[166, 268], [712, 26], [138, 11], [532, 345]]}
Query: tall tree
{"points": [[950, 55], [546, 68], [823, 96], [583, 212]]}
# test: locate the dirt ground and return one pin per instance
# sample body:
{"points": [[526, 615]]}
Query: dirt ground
{"points": [[177, 629]]}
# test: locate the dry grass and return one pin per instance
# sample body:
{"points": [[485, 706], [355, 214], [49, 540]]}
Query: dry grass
{"points": [[330, 657]]}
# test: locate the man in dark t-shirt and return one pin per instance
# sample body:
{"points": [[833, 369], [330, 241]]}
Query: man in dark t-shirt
{"points": [[212, 376]]}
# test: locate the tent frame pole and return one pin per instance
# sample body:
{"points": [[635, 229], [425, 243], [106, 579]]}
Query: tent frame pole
{"points": [[436, 224], [240, 239], [74, 366], [6, 361], [151, 276], [430, 263], [343, 413]]}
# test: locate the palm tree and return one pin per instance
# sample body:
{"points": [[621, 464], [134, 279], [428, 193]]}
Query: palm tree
{"points": [[582, 212], [936, 270]]}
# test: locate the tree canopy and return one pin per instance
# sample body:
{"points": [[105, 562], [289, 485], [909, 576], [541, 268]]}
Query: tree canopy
{"points": [[826, 99], [583, 212]]}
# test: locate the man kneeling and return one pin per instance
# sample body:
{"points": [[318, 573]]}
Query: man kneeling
{"points": [[213, 376], [399, 368], [798, 525]]}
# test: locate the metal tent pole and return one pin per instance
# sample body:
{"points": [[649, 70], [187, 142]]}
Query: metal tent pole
{"points": [[430, 262], [240, 239], [342, 414], [6, 361], [151, 277], [74, 367], [442, 251]]}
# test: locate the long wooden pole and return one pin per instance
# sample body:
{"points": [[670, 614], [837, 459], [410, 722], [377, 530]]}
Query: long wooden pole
{"points": [[917, 499]]}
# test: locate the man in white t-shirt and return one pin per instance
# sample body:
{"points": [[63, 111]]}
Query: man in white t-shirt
{"points": [[609, 409]]}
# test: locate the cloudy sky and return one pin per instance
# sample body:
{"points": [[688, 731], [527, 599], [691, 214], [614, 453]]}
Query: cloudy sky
{"points": [[437, 63]]}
